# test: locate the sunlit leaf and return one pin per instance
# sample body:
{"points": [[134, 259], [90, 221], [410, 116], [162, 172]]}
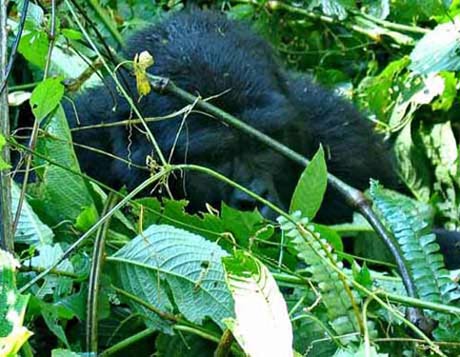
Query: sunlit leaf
{"points": [[262, 326], [12, 308]]}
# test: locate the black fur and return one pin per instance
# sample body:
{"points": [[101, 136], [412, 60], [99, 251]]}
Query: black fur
{"points": [[206, 54]]}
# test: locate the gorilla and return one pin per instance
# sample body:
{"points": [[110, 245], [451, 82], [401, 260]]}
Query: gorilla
{"points": [[235, 69]]}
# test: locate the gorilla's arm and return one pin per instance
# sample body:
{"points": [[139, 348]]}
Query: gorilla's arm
{"points": [[354, 152]]}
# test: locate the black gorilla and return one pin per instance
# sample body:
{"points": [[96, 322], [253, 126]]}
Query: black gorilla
{"points": [[207, 54], [211, 56]]}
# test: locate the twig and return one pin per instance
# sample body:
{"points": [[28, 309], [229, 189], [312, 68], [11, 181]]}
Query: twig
{"points": [[6, 232], [14, 48], [127, 342], [92, 306], [224, 347]]}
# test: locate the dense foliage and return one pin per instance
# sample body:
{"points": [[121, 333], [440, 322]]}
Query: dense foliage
{"points": [[103, 271]]}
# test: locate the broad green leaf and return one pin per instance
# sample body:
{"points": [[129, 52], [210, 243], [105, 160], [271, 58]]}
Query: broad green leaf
{"points": [[30, 229], [12, 308], [46, 96], [379, 91], [52, 284], [445, 101], [262, 326], [166, 266], [34, 47], [438, 50], [442, 149], [311, 187], [413, 165], [332, 237], [415, 92], [241, 225], [50, 314], [65, 194]]}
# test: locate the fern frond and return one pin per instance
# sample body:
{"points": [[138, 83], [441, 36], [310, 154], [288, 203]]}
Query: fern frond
{"points": [[407, 221], [336, 295]]}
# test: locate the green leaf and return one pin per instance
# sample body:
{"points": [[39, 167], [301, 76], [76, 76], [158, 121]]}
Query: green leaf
{"points": [[52, 284], [165, 266], [379, 9], [262, 326], [35, 16], [242, 225], [362, 275], [442, 150], [59, 352], [241, 12], [30, 229], [34, 47], [311, 187], [379, 91], [414, 92], [72, 34], [54, 319], [86, 218], [65, 194], [329, 234], [438, 50], [335, 8], [12, 308], [3, 165], [445, 101], [413, 165], [46, 96]]}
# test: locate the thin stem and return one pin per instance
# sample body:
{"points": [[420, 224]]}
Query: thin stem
{"points": [[127, 342], [94, 281], [14, 48], [6, 232]]}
